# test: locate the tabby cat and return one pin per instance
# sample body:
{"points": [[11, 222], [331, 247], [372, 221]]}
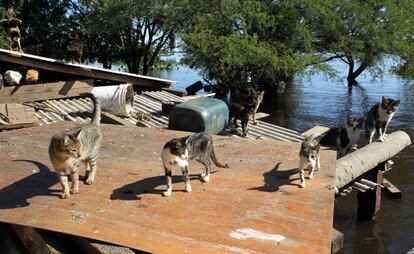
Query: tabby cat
{"points": [[344, 139], [179, 151], [77, 145], [309, 158], [244, 106], [242, 113], [251, 96], [379, 116]]}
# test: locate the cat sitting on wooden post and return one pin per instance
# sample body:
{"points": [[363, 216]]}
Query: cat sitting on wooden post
{"points": [[379, 117], [344, 139], [179, 151]]}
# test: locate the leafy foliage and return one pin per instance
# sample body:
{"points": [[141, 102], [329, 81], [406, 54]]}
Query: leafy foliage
{"points": [[360, 33], [134, 31], [230, 38]]}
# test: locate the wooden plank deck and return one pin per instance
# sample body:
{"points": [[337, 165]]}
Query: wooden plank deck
{"points": [[124, 205], [81, 69]]}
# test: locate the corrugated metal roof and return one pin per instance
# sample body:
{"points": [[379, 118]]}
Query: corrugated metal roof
{"points": [[147, 103], [82, 70]]}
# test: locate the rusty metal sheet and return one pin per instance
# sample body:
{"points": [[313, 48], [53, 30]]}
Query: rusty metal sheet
{"points": [[247, 208]]}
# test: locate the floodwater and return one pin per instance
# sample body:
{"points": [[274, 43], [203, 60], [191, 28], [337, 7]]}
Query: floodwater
{"points": [[318, 101]]}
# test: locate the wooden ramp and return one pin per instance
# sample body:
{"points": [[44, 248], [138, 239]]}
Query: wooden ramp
{"points": [[81, 70], [248, 208]]}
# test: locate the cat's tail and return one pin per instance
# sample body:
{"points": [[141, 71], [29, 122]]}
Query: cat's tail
{"points": [[96, 115], [214, 158]]}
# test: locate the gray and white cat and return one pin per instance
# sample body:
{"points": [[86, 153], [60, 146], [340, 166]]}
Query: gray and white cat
{"points": [[77, 145], [308, 159], [179, 151], [344, 139], [379, 117]]}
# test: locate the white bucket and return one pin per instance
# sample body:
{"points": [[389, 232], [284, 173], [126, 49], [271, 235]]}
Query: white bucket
{"points": [[118, 100]]}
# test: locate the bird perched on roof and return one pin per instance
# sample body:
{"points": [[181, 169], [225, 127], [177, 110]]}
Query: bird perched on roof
{"points": [[75, 48], [11, 26]]}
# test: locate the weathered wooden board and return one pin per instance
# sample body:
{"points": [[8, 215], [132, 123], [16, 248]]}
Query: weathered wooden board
{"points": [[247, 208], [18, 113], [315, 132], [46, 91], [391, 189], [81, 70]]}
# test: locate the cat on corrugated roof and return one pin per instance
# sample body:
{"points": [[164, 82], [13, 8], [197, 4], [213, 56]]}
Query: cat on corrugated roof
{"points": [[67, 150], [243, 107]]}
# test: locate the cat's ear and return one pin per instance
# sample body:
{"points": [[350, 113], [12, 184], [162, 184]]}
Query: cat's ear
{"points": [[66, 140], [176, 143], [384, 101], [75, 136], [397, 103], [303, 146], [184, 139], [318, 148], [350, 118], [361, 122]]}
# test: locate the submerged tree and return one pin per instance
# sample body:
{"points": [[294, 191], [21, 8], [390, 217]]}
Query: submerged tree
{"points": [[228, 39], [275, 40], [360, 33]]}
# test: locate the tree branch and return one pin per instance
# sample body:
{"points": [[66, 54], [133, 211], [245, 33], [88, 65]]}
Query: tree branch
{"points": [[327, 59]]}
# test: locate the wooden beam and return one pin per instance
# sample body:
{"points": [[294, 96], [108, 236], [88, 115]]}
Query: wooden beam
{"points": [[391, 189], [45, 91], [7, 127], [175, 92], [17, 113], [113, 119], [260, 115], [315, 131], [33, 241], [353, 165], [80, 69], [9, 242]]}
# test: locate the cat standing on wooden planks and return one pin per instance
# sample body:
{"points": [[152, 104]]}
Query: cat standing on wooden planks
{"points": [[179, 151], [379, 117], [344, 139], [308, 159], [77, 145], [243, 107]]}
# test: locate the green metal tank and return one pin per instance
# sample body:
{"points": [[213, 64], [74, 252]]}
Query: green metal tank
{"points": [[202, 114]]}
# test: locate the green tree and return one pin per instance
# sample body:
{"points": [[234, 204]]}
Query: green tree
{"points": [[360, 33], [45, 27], [138, 30], [227, 39]]}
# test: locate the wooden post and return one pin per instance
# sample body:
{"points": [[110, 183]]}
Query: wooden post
{"points": [[369, 202], [33, 241]]}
